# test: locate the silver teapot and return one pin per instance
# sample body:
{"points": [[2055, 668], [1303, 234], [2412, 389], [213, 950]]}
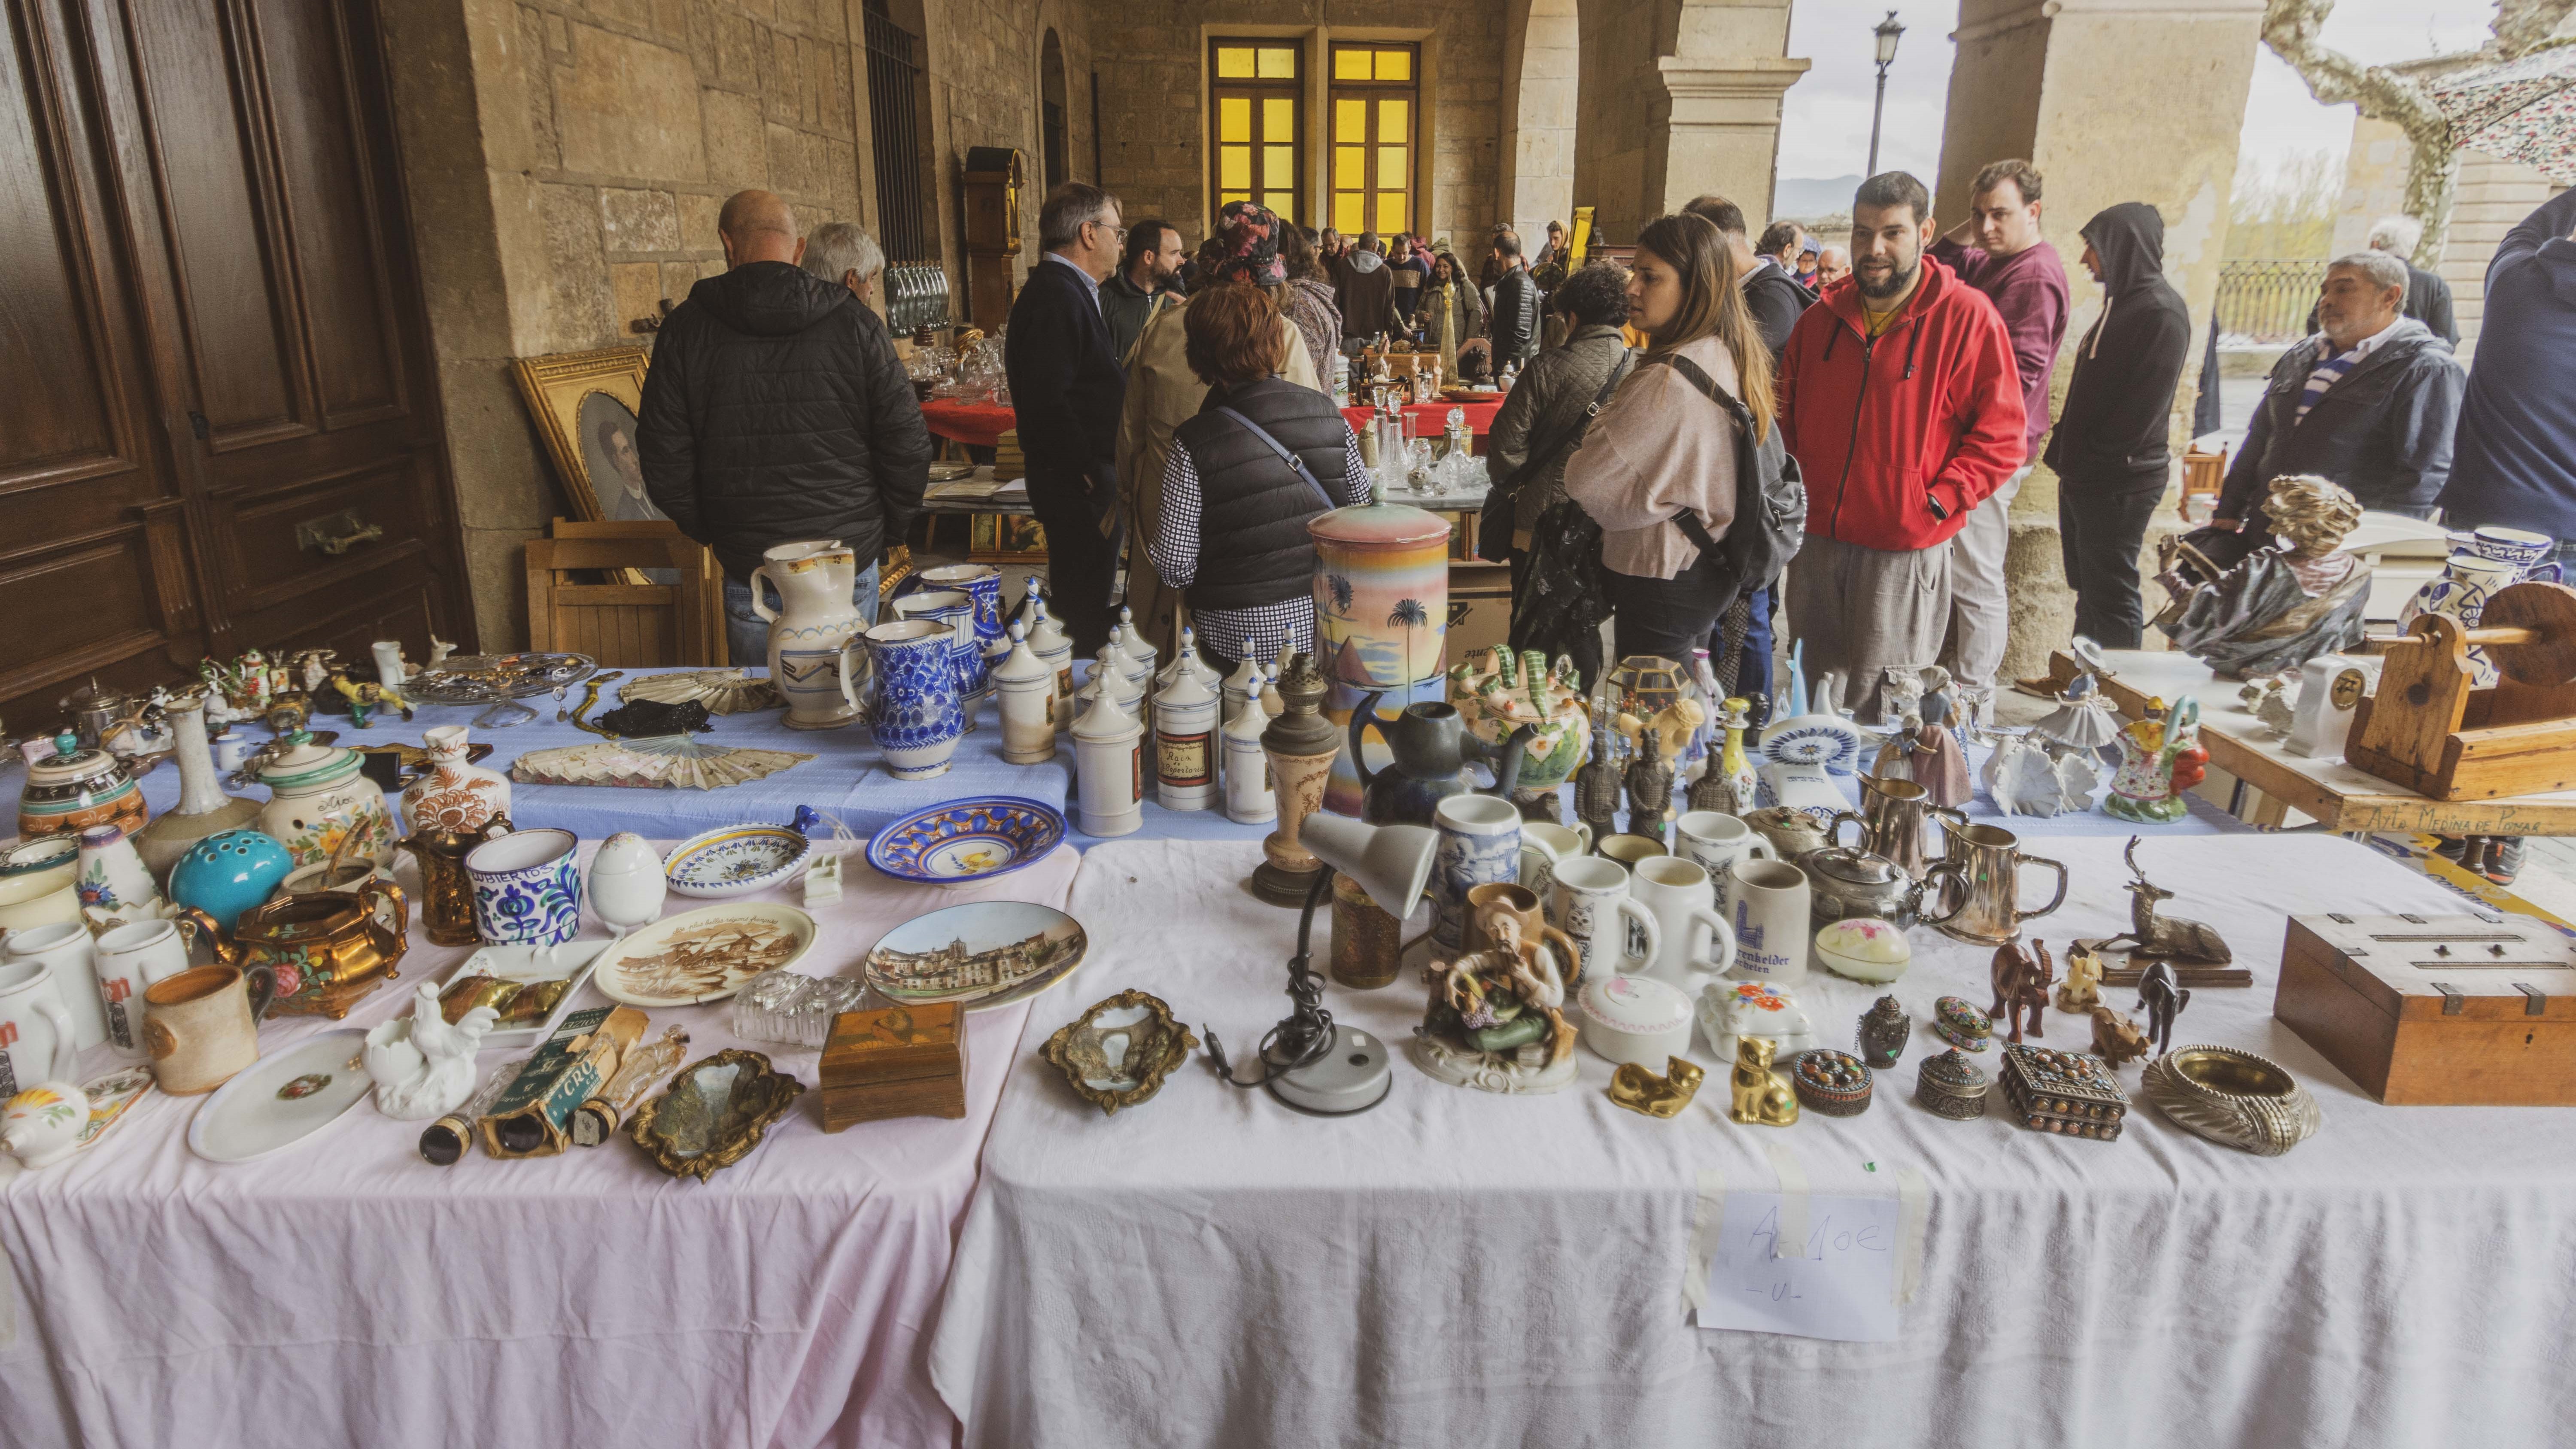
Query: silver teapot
{"points": [[1844, 882]]}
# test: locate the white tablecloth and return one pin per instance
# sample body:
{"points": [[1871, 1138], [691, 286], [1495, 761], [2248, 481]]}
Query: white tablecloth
{"points": [[1458, 1268], [344, 1292]]}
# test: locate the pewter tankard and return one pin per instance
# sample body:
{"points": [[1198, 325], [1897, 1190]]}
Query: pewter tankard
{"points": [[1979, 880], [1892, 817]]}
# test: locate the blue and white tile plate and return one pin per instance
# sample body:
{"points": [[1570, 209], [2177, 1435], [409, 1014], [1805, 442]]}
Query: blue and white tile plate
{"points": [[735, 860], [965, 841]]}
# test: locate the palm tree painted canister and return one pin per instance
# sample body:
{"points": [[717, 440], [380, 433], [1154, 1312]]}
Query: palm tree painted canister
{"points": [[1381, 617]]}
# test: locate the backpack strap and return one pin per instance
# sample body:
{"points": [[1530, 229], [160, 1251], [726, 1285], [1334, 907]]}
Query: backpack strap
{"points": [[1683, 519], [1285, 456]]}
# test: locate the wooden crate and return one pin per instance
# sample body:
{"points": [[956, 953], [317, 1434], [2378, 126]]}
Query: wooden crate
{"points": [[2435, 1010]]}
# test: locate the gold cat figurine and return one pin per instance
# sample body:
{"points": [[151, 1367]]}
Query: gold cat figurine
{"points": [[1762, 1096], [1639, 1090]]}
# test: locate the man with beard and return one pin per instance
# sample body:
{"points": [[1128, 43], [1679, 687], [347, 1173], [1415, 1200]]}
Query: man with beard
{"points": [[1900, 399], [1147, 281]]}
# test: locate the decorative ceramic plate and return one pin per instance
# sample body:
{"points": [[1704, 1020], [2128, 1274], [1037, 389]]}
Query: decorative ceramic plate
{"points": [[110, 1098], [987, 954], [282, 1098], [702, 955], [1813, 739], [570, 962], [735, 860], [965, 841]]}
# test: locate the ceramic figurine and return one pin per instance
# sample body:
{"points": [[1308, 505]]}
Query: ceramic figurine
{"points": [[42, 1125], [1647, 1094], [1496, 693], [2268, 700], [2156, 936], [1762, 1097], [1649, 783], [2162, 998], [2021, 980], [1956, 1020], [2160, 760], [422, 1064], [116, 889], [1671, 727], [1027, 687], [1732, 1012], [1726, 782], [1109, 766], [2299, 598], [627, 886], [363, 700], [1249, 798], [455, 794], [2116, 1038], [317, 797], [1884, 1031], [313, 668], [391, 671], [1496, 1021], [2081, 991], [1596, 785], [1300, 746], [203, 809], [809, 633]]}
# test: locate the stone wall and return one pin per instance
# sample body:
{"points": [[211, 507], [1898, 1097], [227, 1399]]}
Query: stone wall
{"points": [[1153, 113]]}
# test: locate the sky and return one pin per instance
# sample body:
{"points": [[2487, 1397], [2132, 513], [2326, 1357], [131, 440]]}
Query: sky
{"points": [[1825, 127]]}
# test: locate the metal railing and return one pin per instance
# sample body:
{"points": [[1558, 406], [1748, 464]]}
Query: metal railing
{"points": [[2267, 299], [894, 114]]}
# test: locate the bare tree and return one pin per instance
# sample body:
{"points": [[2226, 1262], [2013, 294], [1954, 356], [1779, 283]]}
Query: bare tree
{"points": [[2291, 28]]}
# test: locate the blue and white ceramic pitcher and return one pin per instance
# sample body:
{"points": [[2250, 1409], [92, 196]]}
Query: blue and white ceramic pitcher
{"points": [[913, 709]]}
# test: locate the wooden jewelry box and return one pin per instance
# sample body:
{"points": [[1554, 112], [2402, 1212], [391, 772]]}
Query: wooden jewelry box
{"points": [[902, 1061], [2436, 1010]]}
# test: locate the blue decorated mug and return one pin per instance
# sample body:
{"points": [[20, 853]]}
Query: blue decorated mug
{"points": [[527, 888], [1480, 844]]}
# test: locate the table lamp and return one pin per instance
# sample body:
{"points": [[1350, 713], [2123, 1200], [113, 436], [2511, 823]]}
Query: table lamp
{"points": [[1308, 1061]]}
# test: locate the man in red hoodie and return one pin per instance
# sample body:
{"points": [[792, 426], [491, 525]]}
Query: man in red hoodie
{"points": [[1900, 400]]}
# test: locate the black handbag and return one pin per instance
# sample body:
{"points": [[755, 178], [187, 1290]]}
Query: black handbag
{"points": [[1494, 523]]}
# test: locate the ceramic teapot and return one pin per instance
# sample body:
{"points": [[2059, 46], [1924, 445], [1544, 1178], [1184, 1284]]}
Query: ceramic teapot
{"points": [[1497, 692], [325, 950], [76, 788], [1431, 748]]}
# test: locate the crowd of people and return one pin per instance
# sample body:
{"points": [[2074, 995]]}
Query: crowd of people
{"points": [[1174, 410]]}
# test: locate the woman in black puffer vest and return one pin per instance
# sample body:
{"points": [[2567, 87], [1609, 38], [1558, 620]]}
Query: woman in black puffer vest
{"points": [[1232, 530]]}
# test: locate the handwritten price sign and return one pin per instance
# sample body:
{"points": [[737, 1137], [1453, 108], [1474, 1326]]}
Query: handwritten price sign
{"points": [[1838, 1281]]}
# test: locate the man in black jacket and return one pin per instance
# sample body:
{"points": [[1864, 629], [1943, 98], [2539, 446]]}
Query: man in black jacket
{"points": [[2371, 402], [776, 411], [1513, 318], [2110, 450], [1067, 389], [1772, 294]]}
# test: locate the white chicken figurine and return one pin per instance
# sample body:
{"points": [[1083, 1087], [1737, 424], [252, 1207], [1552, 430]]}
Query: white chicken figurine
{"points": [[422, 1066]]}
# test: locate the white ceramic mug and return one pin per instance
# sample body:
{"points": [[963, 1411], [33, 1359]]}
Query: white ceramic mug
{"points": [[1769, 902], [130, 959], [1480, 844], [1716, 840], [37, 1041], [1543, 844], [1677, 891], [72, 959], [1615, 932]]}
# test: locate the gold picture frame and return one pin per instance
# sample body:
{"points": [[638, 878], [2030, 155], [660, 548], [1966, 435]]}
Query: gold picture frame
{"points": [[586, 405], [1004, 538]]}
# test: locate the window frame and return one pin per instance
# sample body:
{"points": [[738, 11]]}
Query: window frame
{"points": [[1257, 91], [1372, 144]]}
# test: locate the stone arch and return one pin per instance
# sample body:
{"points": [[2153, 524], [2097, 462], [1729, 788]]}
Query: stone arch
{"points": [[1542, 68]]}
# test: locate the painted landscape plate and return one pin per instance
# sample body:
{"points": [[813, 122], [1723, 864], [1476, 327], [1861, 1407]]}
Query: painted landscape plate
{"points": [[987, 954], [965, 841], [735, 860], [702, 955], [282, 1098]]}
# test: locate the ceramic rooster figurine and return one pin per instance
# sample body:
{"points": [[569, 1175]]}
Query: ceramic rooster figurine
{"points": [[422, 1064]]}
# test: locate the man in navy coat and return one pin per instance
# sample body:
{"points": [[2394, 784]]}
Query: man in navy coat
{"points": [[1067, 389]]}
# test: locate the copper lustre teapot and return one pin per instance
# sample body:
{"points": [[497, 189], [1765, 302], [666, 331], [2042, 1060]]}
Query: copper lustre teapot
{"points": [[324, 949]]}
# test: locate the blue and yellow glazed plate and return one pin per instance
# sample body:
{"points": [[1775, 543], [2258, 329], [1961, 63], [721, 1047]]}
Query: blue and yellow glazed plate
{"points": [[965, 841], [735, 860]]}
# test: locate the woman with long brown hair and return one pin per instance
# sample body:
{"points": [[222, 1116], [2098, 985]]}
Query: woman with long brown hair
{"points": [[1657, 470]]}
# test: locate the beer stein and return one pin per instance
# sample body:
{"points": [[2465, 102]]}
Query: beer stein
{"points": [[1892, 815], [1979, 881]]}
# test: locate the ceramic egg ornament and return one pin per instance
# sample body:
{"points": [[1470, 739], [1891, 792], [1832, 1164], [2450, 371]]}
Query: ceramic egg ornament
{"points": [[627, 885]]}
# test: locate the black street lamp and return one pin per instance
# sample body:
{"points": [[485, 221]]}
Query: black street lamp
{"points": [[1888, 31]]}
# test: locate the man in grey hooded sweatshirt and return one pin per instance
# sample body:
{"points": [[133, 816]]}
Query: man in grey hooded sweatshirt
{"points": [[1365, 289]]}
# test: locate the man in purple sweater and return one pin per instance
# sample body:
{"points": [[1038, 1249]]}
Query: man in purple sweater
{"points": [[1998, 250]]}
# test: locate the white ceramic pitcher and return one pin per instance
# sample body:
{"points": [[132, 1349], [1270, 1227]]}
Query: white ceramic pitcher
{"points": [[813, 580]]}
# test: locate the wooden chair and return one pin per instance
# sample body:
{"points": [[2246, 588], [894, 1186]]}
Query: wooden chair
{"points": [[2204, 475], [626, 625]]}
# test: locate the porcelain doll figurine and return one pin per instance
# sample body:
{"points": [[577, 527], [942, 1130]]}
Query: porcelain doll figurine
{"points": [[1496, 1018], [2160, 759]]}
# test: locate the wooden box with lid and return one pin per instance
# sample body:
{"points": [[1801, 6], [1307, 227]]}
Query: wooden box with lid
{"points": [[901, 1061], [2436, 1010]]}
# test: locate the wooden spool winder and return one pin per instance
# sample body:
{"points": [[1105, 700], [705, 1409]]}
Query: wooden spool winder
{"points": [[2427, 729]]}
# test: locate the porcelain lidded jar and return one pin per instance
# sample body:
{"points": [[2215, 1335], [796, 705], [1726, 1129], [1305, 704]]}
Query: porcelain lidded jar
{"points": [[456, 795], [1250, 797], [1109, 764], [317, 795], [1027, 688], [627, 886], [1185, 743], [77, 788]]}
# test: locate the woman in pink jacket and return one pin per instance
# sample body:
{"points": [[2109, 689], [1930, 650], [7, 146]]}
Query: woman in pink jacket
{"points": [[1662, 448]]}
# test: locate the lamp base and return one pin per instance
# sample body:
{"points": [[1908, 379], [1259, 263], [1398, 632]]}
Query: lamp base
{"points": [[1283, 887], [1352, 1077]]}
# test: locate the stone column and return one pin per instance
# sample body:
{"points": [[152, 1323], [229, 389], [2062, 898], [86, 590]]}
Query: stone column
{"points": [[1540, 62], [1721, 131], [1679, 99], [2113, 100]]}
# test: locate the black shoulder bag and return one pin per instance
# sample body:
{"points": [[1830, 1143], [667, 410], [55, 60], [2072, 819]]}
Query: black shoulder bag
{"points": [[1494, 524]]}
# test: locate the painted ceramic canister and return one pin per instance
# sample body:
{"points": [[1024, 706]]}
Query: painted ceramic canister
{"points": [[1381, 618], [916, 715], [954, 611], [813, 580], [527, 888], [2467, 582], [456, 794], [1185, 743], [317, 795], [78, 788]]}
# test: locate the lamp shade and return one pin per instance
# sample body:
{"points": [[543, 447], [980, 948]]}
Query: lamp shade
{"points": [[1392, 863], [1888, 31]]}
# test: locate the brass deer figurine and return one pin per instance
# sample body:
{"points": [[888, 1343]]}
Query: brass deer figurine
{"points": [[2160, 937]]}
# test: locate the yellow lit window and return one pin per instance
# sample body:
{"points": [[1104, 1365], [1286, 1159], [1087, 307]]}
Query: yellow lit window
{"points": [[1258, 152], [1375, 99]]}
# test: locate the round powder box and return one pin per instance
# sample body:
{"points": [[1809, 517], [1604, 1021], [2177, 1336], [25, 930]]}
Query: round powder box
{"points": [[1636, 1020], [1834, 1083]]}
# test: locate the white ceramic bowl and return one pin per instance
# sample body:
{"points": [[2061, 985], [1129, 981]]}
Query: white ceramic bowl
{"points": [[1636, 1019], [1864, 949]]}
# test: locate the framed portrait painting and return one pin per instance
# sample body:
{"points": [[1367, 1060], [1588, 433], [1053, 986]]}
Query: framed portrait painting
{"points": [[585, 405]]}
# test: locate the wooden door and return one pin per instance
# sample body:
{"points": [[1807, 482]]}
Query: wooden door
{"points": [[286, 479]]}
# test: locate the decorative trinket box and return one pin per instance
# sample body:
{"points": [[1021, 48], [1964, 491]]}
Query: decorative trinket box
{"points": [[2435, 1010], [1635, 1020], [903, 1061], [2069, 1093], [1951, 1086], [1958, 1021], [1864, 949], [1834, 1083]]}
